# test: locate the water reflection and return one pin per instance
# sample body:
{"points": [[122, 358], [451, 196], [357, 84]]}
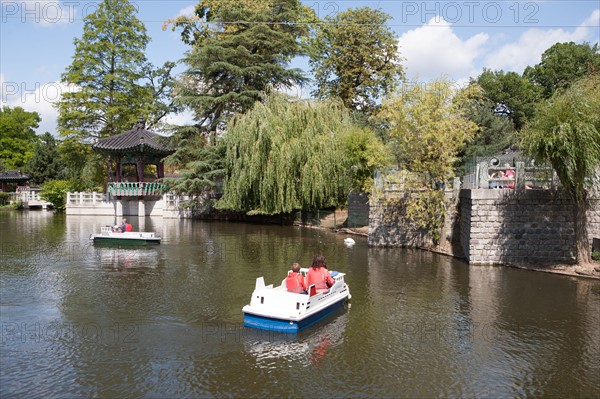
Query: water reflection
{"points": [[307, 348], [79, 320]]}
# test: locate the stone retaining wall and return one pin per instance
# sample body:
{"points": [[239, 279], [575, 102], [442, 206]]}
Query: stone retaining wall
{"points": [[385, 230], [517, 227], [496, 227], [358, 209]]}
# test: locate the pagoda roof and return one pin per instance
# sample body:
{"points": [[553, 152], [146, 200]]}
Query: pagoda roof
{"points": [[135, 141], [13, 176]]}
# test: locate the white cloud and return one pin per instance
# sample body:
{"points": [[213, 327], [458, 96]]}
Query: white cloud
{"points": [[40, 100], [296, 91], [527, 51], [187, 11], [434, 50], [183, 118]]}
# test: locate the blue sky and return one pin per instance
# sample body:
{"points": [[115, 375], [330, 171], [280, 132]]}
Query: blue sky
{"points": [[455, 39]]}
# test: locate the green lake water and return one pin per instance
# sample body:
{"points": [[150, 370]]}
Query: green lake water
{"points": [[79, 320]]}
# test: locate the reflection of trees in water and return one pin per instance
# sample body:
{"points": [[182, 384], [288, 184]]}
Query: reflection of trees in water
{"points": [[538, 318]]}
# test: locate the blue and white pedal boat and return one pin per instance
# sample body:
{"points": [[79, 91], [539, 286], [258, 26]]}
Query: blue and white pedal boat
{"points": [[276, 309]]}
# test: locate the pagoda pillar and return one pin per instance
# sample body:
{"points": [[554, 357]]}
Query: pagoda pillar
{"points": [[140, 169], [118, 170], [161, 170]]}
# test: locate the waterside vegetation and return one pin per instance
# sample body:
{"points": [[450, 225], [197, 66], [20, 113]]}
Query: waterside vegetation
{"points": [[270, 153]]}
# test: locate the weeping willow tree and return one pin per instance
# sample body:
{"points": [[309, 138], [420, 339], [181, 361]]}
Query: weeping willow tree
{"points": [[284, 156], [566, 133]]}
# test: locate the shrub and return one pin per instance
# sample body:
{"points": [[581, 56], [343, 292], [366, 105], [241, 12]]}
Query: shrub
{"points": [[55, 191]]}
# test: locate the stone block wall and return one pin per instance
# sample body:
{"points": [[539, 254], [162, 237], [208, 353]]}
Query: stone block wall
{"points": [[358, 209], [517, 227], [385, 230], [495, 227]]}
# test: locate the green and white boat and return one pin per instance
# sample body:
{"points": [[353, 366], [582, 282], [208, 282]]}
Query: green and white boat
{"points": [[108, 236]]}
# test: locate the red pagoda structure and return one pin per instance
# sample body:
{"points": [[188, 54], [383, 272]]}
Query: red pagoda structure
{"points": [[128, 155]]}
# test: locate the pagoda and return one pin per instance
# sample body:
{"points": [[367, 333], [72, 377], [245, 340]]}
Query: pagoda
{"points": [[14, 177], [134, 150]]}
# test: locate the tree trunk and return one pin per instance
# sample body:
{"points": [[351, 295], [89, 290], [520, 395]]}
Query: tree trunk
{"points": [[582, 246]]}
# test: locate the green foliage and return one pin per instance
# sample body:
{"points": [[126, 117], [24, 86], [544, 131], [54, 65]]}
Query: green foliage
{"points": [[17, 136], [95, 170], [596, 256], [562, 64], [429, 126], [201, 174], [495, 133], [46, 163], [566, 133], [106, 96], [3, 198], [188, 142], [284, 156], [517, 93], [423, 210], [365, 153], [231, 64], [75, 156], [354, 57], [55, 191]]}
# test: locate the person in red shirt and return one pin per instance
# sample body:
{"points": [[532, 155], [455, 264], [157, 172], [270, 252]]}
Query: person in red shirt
{"points": [[509, 174], [295, 281], [319, 275]]}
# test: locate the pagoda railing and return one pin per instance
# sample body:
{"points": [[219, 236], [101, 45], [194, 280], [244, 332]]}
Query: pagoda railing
{"points": [[135, 189]]}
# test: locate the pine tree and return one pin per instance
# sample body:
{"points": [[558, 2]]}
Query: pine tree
{"points": [[238, 51], [106, 95], [46, 163]]}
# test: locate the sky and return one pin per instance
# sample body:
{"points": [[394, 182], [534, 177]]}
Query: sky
{"points": [[451, 39]]}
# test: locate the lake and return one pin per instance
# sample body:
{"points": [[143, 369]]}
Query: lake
{"points": [[79, 320]]}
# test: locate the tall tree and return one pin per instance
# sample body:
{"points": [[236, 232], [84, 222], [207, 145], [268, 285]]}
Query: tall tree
{"points": [[111, 83], [513, 94], [46, 163], [284, 156], [430, 126], [355, 57], [566, 133], [562, 64], [239, 49], [495, 130], [17, 136]]}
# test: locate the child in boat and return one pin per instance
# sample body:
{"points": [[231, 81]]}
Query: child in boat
{"points": [[295, 282], [319, 275]]}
